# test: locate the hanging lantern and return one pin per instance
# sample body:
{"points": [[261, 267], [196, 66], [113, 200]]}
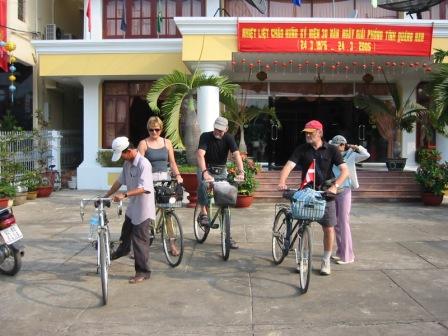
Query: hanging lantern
{"points": [[12, 78]]}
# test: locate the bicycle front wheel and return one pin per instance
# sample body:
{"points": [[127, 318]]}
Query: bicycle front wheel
{"points": [[279, 233], [304, 260], [225, 233], [172, 235], [103, 264], [200, 231]]}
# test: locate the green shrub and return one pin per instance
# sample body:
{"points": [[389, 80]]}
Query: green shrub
{"points": [[105, 159]]}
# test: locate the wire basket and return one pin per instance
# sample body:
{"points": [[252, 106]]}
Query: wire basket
{"points": [[311, 209]]}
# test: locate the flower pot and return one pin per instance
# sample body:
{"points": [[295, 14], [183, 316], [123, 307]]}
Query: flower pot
{"points": [[191, 185], [244, 201], [396, 164], [44, 191], [19, 199], [31, 195], [431, 199], [3, 203]]}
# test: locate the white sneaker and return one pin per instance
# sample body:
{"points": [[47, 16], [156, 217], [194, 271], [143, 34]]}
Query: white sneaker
{"points": [[335, 258], [342, 262], [325, 268]]}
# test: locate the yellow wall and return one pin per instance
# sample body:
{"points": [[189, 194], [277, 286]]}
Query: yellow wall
{"points": [[440, 43], [110, 64], [208, 48]]}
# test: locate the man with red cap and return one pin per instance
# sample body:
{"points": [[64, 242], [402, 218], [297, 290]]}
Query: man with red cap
{"points": [[325, 156]]}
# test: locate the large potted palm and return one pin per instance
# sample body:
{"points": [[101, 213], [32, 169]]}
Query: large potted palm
{"points": [[174, 97], [391, 118], [241, 115]]}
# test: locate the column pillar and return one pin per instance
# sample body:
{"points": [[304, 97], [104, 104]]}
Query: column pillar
{"points": [[208, 98], [442, 145], [88, 169], [96, 21], [409, 140]]}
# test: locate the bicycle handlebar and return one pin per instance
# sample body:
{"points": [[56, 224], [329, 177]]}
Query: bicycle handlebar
{"points": [[99, 202]]}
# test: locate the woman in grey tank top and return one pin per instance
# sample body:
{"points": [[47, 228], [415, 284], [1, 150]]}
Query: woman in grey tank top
{"points": [[159, 152]]}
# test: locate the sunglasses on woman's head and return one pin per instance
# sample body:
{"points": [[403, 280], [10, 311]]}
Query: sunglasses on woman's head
{"points": [[154, 129]]}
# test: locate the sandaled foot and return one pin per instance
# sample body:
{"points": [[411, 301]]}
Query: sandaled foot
{"points": [[174, 251], [138, 279]]}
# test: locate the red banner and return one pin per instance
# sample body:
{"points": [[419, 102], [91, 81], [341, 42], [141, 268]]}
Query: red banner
{"points": [[337, 38], [3, 53]]}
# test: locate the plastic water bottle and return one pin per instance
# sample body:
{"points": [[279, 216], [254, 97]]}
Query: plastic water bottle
{"points": [[94, 222]]}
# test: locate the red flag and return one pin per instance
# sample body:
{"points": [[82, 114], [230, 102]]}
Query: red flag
{"points": [[3, 53], [89, 15], [309, 177]]}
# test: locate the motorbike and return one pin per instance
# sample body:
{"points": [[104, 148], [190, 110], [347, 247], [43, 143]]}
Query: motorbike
{"points": [[11, 252]]}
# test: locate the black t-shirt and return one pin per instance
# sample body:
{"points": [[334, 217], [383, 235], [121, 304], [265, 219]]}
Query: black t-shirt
{"points": [[326, 156], [216, 150]]}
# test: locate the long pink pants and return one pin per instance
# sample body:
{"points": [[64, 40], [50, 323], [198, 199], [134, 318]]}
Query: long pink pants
{"points": [[342, 227]]}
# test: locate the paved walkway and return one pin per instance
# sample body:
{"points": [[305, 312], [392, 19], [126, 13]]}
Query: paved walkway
{"points": [[397, 286]]}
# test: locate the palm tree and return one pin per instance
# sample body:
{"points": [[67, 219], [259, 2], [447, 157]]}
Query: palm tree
{"points": [[240, 116], [179, 104], [391, 117], [439, 92]]}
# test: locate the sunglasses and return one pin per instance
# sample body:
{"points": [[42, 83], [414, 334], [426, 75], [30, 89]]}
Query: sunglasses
{"points": [[154, 130]]}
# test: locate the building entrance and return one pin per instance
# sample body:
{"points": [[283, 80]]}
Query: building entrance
{"points": [[337, 115]]}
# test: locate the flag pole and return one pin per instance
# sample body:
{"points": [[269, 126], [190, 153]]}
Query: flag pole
{"points": [[314, 179]]}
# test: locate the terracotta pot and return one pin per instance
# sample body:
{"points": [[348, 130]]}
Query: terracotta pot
{"points": [[431, 199], [19, 199], [191, 185], [3, 203], [244, 201], [31, 195], [44, 191]]}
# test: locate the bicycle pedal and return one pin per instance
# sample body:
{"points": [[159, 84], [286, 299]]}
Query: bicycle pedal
{"points": [[214, 226]]}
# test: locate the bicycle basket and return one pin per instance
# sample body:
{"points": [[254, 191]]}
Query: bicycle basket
{"points": [[224, 193], [308, 204], [163, 194]]}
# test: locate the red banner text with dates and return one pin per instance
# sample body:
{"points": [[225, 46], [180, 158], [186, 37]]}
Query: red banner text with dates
{"points": [[335, 38]]}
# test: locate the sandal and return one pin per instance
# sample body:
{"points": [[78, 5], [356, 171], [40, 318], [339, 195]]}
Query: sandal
{"points": [[138, 279], [173, 249]]}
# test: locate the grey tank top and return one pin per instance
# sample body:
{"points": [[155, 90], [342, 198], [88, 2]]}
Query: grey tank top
{"points": [[158, 158]]}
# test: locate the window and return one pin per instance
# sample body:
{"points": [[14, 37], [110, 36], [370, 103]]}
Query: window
{"points": [[125, 111], [21, 10], [147, 18]]}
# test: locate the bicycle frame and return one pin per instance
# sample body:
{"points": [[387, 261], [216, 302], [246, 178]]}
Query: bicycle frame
{"points": [[291, 230]]}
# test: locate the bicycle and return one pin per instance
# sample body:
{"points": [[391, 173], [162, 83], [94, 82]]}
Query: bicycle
{"points": [[285, 234], [220, 219], [167, 222], [100, 238]]}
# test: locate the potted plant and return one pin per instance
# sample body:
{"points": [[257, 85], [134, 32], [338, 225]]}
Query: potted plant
{"points": [[178, 110], [391, 118], [7, 193], [241, 115], [432, 176], [31, 179], [250, 184]]}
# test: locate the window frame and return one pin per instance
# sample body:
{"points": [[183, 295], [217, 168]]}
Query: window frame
{"points": [[152, 18]]}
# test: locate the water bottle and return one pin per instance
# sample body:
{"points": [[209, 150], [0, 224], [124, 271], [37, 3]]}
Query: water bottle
{"points": [[94, 222]]}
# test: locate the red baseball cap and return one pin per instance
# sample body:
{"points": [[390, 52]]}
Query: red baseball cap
{"points": [[312, 125]]}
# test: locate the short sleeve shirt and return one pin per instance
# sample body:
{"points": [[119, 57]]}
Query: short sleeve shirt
{"points": [[138, 174], [216, 150], [326, 156]]}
